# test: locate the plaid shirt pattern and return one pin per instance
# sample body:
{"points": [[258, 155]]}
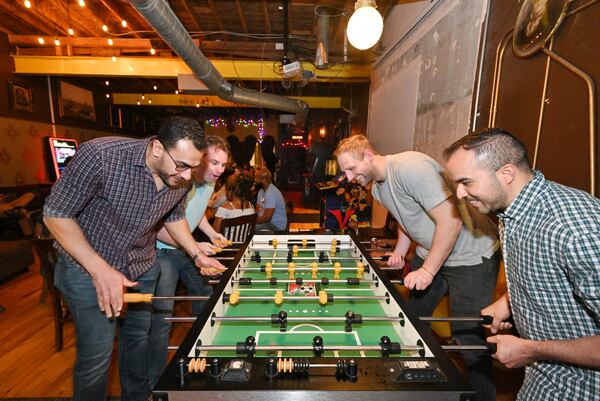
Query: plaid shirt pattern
{"points": [[551, 245], [108, 189]]}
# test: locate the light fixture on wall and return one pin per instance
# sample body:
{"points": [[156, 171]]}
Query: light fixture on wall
{"points": [[323, 132], [365, 25]]}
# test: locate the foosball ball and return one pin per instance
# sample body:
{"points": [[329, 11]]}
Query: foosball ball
{"points": [[309, 318]]}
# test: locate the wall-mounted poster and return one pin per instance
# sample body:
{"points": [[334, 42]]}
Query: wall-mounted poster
{"points": [[20, 96], [76, 102]]}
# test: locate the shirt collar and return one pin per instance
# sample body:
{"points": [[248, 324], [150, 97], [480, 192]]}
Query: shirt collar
{"points": [[521, 205], [140, 159]]}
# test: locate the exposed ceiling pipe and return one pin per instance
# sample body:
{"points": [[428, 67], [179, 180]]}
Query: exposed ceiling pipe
{"points": [[322, 55], [164, 21]]}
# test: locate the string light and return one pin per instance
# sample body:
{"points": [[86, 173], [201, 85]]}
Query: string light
{"points": [[110, 42], [70, 31], [176, 92], [124, 23], [27, 4], [245, 122], [106, 83], [56, 42], [114, 58], [152, 51], [81, 3], [149, 101], [104, 28], [138, 102], [107, 95], [41, 40], [155, 87], [143, 97]]}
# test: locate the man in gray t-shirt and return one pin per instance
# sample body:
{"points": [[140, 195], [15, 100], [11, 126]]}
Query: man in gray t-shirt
{"points": [[457, 248]]}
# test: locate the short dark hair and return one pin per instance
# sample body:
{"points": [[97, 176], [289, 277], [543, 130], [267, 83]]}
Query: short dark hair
{"points": [[175, 129], [494, 147], [240, 187]]}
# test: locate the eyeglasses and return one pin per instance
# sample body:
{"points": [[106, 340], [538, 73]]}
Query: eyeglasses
{"points": [[179, 166]]}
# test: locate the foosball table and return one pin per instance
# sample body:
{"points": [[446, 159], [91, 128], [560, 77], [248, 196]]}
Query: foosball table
{"points": [[312, 318]]}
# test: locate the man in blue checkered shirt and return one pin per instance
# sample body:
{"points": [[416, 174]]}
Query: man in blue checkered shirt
{"points": [[550, 237], [103, 213]]}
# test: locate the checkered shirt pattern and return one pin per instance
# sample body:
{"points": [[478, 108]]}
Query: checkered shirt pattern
{"points": [[551, 246], [108, 189]]}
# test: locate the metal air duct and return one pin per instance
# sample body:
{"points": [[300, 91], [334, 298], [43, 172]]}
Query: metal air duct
{"points": [[164, 21]]}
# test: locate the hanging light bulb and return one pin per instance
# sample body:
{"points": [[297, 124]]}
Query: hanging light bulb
{"points": [[81, 3], [124, 23], [70, 31], [106, 83], [104, 28], [110, 42], [143, 97], [107, 95], [365, 25], [176, 92], [152, 51], [114, 58], [56, 42], [149, 101], [41, 40], [27, 4]]}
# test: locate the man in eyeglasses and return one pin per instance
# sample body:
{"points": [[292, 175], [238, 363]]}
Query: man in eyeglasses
{"points": [[174, 264], [103, 213]]}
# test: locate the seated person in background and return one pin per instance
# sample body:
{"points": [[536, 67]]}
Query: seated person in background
{"points": [[15, 209], [269, 205], [219, 197], [238, 202]]}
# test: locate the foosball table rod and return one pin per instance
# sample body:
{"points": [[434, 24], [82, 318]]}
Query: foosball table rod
{"points": [[323, 298]]}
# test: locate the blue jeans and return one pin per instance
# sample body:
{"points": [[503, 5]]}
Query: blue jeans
{"points": [[95, 335], [470, 289], [173, 264]]}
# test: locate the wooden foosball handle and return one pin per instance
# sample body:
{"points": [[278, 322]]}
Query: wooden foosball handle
{"points": [[134, 297]]}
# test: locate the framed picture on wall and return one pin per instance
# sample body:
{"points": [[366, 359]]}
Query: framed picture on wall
{"points": [[20, 96], [115, 117], [76, 102]]}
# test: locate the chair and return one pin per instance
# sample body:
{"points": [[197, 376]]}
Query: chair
{"points": [[47, 256], [239, 229]]}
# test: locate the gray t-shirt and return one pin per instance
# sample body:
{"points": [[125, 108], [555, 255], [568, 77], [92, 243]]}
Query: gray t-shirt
{"points": [[415, 184]]}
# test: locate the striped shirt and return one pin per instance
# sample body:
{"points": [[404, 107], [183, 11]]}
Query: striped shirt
{"points": [[551, 245], [111, 193]]}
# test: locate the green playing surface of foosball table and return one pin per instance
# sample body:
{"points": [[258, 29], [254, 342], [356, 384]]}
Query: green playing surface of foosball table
{"points": [[302, 333]]}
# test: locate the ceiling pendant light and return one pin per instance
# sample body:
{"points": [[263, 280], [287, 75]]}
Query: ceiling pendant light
{"points": [[365, 25]]}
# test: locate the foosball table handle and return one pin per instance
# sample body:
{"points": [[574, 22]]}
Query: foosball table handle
{"points": [[133, 297]]}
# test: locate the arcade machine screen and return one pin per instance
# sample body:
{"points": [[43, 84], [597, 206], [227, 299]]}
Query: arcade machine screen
{"points": [[61, 149]]}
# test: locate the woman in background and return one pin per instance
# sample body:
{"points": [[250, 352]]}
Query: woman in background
{"points": [[238, 192]]}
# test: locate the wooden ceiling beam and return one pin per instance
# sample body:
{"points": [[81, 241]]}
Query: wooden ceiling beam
{"points": [[242, 17], [216, 15], [266, 12], [192, 14], [120, 18], [32, 40], [29, 18]]}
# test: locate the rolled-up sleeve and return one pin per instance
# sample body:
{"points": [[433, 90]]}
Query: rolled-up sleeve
{"points": [[583, 259]]}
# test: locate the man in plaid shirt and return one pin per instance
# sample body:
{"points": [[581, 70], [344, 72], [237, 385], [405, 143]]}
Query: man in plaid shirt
{"points": [[103, 213], [550, 236]]}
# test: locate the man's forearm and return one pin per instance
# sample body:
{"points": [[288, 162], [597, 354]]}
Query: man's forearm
{"points": [[403, 242], [444, 239], [206, 227], [579, 351], [180, 232], [70, 236]]}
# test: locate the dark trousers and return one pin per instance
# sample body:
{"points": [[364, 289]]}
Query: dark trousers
{"points": [[470, 289]]}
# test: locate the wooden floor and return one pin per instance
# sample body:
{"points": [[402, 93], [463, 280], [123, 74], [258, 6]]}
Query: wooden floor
{"points": [[30, 368]]}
